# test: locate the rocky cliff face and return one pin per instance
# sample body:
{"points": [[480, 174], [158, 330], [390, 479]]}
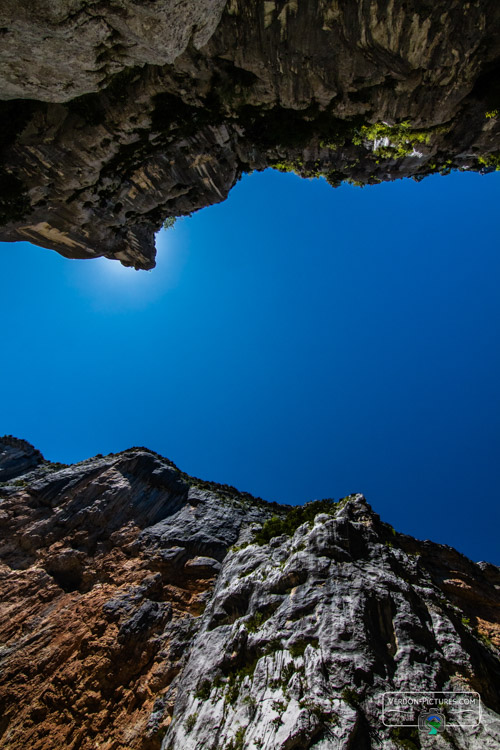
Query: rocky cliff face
{"points": [[118, 115], [142, 608]]}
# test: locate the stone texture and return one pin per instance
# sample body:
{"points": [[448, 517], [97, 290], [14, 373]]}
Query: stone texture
{"points": [[105, 567], [55, 51], [159, 108], [139, 611], [17, 457]]}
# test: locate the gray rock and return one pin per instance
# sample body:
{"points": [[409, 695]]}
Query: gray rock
{"points": [[17, 457], [60, 50], [301, 640], [161, 610], [117, 116]]}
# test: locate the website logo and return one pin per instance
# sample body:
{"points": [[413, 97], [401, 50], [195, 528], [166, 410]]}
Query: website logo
{"points": [[432, 723], [427, 710]]}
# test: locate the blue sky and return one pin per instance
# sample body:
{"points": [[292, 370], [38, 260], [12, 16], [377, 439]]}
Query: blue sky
{"points": [[295, 341]]}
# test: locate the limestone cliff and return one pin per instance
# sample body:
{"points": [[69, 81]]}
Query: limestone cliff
{"points": [[141, 608], [117, 115]]}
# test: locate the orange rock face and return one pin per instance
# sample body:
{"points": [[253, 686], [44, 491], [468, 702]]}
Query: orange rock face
{"points": [[96, 609], [76, 672]]}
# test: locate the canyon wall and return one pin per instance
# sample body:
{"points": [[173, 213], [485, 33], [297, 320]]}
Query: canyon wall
{"points": [[141, 609], [118, 115]]}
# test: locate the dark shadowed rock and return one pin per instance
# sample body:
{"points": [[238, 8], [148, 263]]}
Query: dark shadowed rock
{"points": [[116, 116], [17, 457]]}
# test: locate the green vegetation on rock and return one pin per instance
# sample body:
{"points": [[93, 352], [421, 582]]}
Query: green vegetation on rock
{"points": [[238, 742], [406, 737], [203, 691], [351, 697], [237, 677], [190, 722], [255, 621], [402, 138], [326, 717], [295, 517], [298, 648], [169, 222], [491, 161]]}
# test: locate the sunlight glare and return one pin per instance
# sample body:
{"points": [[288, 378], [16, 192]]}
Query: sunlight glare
{"points": [[109, 284]]}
